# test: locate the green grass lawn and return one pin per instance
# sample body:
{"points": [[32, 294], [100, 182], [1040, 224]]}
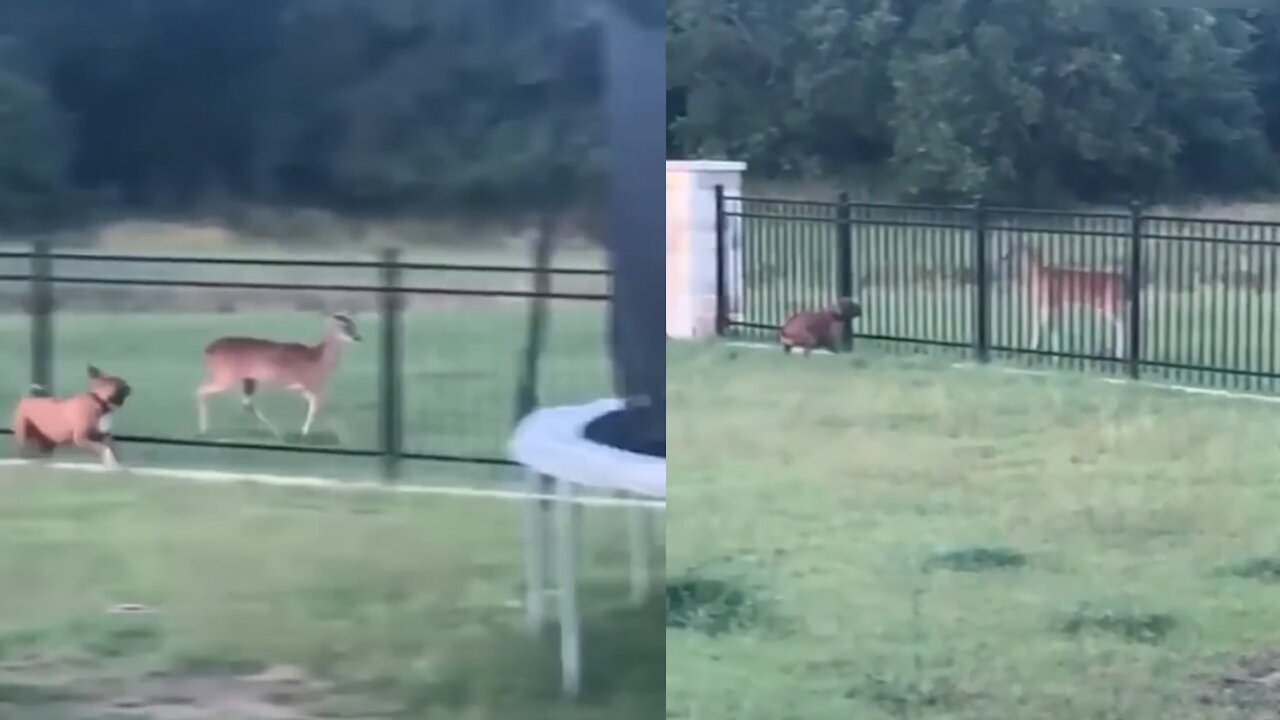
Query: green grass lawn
{"points": [[406, 606], [460, 368], [885, 537]]}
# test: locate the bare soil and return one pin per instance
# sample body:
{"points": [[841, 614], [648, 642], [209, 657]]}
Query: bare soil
{"points": [[278, 692], [1251, 691]]}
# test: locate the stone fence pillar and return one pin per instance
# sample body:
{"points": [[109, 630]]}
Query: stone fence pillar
{"points": [[691, 244]]}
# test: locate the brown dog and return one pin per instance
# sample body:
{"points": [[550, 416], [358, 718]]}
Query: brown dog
{"points": [[818, 328], [42, 423]]}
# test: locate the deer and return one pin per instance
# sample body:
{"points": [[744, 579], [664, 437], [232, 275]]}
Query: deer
{"points": [[1051, 289], [249, 362]]}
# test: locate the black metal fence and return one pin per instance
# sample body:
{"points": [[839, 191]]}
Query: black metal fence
{"points": [[439, 383], [1148, 295]]}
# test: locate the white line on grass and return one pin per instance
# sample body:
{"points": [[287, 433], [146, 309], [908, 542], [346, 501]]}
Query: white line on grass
{"points": [[1172, 387], [319, 483], [1188, 389]]}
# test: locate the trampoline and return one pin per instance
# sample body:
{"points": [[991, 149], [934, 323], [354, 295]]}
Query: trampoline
{"points": [[614, 445]]}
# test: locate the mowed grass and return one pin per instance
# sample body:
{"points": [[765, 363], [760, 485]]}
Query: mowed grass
{"points": [[460, 370], [408, 605], [902, 539]]}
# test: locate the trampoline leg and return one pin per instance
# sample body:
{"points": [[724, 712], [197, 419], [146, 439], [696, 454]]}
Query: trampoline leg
{"points": [[566, 541], [535, 553], [641, 541]]}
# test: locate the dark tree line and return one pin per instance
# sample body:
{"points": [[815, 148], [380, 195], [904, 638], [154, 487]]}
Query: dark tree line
{"points": [[1022, 100], [357, 105]]}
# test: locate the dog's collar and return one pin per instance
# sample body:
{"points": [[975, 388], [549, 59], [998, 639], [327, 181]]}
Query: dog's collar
{"points": [[103, 405]]}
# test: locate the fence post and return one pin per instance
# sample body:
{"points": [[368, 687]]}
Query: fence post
{"points": [[1134, 342], [390, 402], [982, 304], [41, 303], [722, 295], [844, 262]]}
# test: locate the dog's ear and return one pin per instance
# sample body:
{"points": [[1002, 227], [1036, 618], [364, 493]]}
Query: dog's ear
{"points": [[94, 373]]}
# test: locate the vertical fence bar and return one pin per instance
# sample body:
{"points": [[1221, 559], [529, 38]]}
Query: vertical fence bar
{"points": [[794, 257], [1134, 344], [41, 315], [982, 304], [844, 262], [722, 310], [1271, 287], [390, 402], [951, 273], [753, 271]]}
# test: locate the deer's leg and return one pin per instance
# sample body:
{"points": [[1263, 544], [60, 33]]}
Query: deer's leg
{"points": [[249, 386], [1043, 318], [313, 408], [206, 389], [314, 402], [1117, 324]]}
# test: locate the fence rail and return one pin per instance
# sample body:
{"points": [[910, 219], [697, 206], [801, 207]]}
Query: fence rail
{"points": [[39, 284], [1147, 295]]}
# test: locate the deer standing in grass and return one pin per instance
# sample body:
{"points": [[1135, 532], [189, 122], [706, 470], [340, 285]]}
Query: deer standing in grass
{"points": [[1052, 289], [248, 362]]}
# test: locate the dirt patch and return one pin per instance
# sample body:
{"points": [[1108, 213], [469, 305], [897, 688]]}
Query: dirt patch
{"points": [[1251, 691], [279, 692]]}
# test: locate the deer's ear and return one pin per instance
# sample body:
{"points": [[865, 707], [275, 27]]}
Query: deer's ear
{"points": [[94, 373]]}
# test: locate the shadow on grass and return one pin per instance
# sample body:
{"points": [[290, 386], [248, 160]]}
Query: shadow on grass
{"points": [[1128, 624], [976, 559], [1262, 569], [716, 606], [509, 673], [317, 438], [902, 698]]}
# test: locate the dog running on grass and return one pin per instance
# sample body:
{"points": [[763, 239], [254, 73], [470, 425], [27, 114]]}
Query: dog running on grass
{"points": [[815, 329], [41, 424]]}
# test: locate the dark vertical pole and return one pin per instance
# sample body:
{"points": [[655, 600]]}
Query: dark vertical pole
{"points": [[41, 315], [390, 304], [536, 339], [844, 263], [982, 275], [722, 295], [636, 121], [1134, 343]]}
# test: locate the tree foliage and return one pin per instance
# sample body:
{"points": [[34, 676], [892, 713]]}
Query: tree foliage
{"points": [[359, 105], [1025, 100]]}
